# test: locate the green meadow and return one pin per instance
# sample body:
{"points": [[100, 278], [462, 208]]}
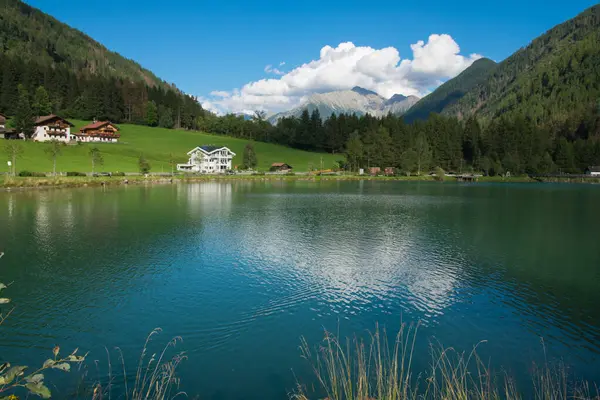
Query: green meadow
{"points": [[157, 145]]}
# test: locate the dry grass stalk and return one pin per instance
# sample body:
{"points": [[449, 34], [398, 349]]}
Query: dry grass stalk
{"points": [[380, 370]]}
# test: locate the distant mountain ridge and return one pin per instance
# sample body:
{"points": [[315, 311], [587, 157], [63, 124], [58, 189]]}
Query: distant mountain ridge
{"points": [[357, 101]]}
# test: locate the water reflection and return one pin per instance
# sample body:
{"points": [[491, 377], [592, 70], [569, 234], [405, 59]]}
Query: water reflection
{"points": [[240, 267], [207, 198], [372, 262]]}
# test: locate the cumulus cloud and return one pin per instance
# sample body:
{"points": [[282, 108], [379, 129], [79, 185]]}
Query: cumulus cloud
{"points": [[270, 70], [220, 93], [211, 106], [348, 65]]}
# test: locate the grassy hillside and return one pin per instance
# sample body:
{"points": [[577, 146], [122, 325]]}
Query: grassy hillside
{"points": [[451, 91], [551, 80], [156, 144]]}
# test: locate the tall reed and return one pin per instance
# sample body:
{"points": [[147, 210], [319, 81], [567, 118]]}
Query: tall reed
{"points": [[378, 369], [155, 378]]}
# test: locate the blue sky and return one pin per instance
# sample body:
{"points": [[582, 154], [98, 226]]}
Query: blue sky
{"points": [[204, 47]]}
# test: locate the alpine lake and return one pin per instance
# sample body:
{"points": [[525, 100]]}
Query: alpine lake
{"points": [[241, 270]]}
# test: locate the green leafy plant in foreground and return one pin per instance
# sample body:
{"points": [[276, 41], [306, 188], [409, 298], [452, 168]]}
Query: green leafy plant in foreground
{"points": [[14, 377]]}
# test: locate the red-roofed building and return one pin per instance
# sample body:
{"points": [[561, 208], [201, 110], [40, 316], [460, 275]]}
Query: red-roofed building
{"points": [[99, 131]]}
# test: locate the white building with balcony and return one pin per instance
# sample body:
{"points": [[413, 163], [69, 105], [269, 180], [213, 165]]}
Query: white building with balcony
{"points": [[208, 160], [52, 127]]}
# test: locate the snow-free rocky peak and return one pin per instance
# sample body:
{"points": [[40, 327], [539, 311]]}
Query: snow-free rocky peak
{"points": [[358, 100]]}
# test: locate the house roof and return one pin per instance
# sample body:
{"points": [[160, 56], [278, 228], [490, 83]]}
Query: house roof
{"points": [[98, 124], [48, 118], [594, 168], [280, 164], [208, 149], [3, 116]]}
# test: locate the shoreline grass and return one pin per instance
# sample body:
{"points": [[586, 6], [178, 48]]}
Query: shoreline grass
{"points": [[378, 369], [10, 182], [155, 377]]}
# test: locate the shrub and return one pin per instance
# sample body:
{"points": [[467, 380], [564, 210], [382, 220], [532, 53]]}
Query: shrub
{"points": [[258, 173], [75, 173], [119, 174], [439, 174], [144, 165], [32, 174]]}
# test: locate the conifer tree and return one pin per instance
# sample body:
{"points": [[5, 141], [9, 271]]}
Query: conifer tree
{"points": [[249, 161], [423, 153], [41, 103], [23, 121], [151, 114], [354, 151]]}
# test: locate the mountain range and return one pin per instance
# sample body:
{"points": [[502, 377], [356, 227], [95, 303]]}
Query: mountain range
{"points": [[550, 81], [553, 81], [357, 101]]}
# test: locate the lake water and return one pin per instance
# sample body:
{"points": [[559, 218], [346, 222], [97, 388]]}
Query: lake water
{"points": [[242, 270]]}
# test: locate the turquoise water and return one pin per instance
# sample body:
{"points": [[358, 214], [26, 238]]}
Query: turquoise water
{"points": [[242, 270]]}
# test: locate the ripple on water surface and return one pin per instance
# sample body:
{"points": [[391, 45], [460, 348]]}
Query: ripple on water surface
{"points": [[240, 271]]}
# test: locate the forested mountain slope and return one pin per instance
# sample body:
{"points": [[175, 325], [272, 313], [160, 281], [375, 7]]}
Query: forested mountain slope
{"points": [[52, 68], [32, 35], [553, 80], [451, 91]]}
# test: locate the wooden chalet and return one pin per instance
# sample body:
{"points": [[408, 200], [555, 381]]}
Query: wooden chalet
{"points": [[280, 167], [52, 127], [99, 131]]}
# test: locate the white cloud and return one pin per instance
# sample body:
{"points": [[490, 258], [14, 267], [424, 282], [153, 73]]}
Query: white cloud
{"points": [[210, 105], [281, 64], [270, 70], [220, 93], [346, 66]]}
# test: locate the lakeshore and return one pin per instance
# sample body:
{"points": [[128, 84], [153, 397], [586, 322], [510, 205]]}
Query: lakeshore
{"points": [[22, 183]]}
